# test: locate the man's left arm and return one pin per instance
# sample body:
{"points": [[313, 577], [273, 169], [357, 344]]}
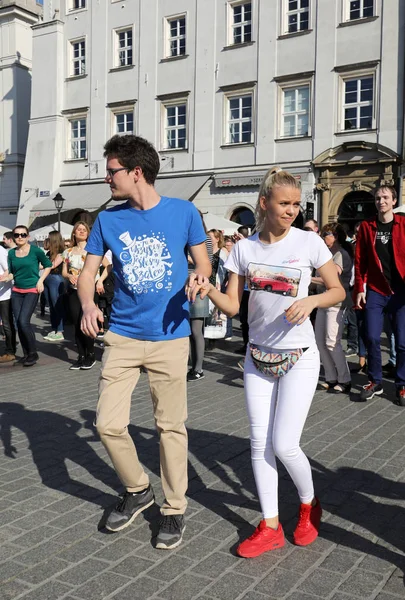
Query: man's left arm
{"points": [[201, 261]]}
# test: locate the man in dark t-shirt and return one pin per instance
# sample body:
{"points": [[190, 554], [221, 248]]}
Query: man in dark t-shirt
{"points": [[380, 266]]}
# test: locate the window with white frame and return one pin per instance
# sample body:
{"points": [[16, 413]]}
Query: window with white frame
{"points": [[240, 23], [358, 102], [297, 15], [176, 36], [175, 125], [77, 138], [360, 9], [124, 122], [78, 61], [239, 118], [77, 4], [295, 111], [124, 45]]}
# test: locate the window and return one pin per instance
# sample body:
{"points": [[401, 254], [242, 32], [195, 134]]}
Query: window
{"points": [[77, 145], [297, 15], [360, 9], [176, 36], [239, 122], [124, 122], [295, 111], [124, 47], [358, 100], [175, 126], [240, 23], [78, 57], [77, 4]]}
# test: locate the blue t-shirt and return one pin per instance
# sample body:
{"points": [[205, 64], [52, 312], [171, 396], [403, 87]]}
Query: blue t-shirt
{"points": [[149, 249]]}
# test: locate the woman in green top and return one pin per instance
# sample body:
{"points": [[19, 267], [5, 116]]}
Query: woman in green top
{"points": [[24, 263]]}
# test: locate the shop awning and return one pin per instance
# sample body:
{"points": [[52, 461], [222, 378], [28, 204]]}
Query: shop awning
{"points": [[82, 196], [239, 179], [180, 187]]}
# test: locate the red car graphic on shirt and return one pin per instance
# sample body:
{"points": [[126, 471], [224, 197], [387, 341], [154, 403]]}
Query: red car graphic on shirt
{"points": [[276, 283]]}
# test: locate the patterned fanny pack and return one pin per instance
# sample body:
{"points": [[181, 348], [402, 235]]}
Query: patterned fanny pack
{"points": [[275, 364]]}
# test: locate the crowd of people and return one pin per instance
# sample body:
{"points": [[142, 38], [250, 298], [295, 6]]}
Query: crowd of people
{"points": [[293, 290], [28, 275]]}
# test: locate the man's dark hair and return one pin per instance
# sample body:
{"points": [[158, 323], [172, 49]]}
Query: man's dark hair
{"points": [[20, 227], [314, 221], [386, 187], [133, 151], [243, 230], [8, 235]]}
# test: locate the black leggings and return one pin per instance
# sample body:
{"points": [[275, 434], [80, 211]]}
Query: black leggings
{"points": [[85, 344], [197, 344]]}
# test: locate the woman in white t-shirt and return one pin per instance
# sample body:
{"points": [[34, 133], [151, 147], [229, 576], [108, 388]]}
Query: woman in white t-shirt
{"points": [[278, 262]]}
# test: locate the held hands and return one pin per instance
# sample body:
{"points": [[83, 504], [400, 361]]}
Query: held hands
{"points": [[197, 284], [99, 287], [300, 310], [361, 300], [91, 320]]}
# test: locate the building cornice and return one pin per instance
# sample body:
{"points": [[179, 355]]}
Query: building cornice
{"points": [[74, 111], [173, 95], [46, 24], [370, 64], [238, 86], [121, 103], [293, 76]]}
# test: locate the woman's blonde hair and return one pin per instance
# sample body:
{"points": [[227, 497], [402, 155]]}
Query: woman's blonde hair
{"points": [[275, 177], [219, 236], [76, 226]]}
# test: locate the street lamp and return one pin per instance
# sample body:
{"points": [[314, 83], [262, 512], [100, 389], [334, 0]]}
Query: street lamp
{"points": [[59, 200]]}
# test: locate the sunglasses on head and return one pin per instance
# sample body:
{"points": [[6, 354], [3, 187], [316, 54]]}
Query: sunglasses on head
{"points": [[326, 233], [21, 235]]}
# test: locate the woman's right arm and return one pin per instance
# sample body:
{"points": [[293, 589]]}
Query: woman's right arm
{"points": [[227, 303]]}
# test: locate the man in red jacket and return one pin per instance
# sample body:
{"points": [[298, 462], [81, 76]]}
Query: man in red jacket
{"points": [[380, 265]]}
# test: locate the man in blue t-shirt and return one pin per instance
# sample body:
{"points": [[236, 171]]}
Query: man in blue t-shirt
{"points": [[149, 237]]}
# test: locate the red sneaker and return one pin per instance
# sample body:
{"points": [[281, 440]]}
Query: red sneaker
{"points": [[309, 520], [263, 539]]}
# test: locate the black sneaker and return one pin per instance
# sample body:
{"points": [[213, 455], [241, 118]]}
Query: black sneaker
{"points": [[78, 364], [370, 390], [88, 362], [400, 396], [171, 529], [31, 360], [195, 375], [350, 352], [128, 507]]}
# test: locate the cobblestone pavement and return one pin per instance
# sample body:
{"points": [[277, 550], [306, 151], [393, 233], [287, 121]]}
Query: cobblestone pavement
{"points": [[56, 481]]}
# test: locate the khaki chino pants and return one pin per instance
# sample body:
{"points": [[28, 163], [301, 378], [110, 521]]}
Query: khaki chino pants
{"points": [[166, 363]]}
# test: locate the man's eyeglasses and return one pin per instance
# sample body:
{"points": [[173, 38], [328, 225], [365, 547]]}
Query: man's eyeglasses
{"points": [[21, 235], [112, 172]]}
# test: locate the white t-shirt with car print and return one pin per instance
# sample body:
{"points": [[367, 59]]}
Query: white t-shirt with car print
{"points": [[278, 274]]}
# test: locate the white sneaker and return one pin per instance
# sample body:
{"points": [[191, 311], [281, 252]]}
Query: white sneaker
{"points": [[54, 336]]}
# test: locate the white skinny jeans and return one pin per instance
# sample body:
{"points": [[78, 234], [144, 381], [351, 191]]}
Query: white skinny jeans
{"points": [[277, 411]]}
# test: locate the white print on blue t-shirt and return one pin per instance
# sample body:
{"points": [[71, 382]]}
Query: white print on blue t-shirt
{"points": [[145, 263], [149, 257]]}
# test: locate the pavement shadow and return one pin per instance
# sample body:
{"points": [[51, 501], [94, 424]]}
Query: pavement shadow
{"points": [[346, 493], [53, 439]]}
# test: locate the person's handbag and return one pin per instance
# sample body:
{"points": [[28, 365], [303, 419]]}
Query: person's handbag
{"points": [[275, 364], [215, 324]]}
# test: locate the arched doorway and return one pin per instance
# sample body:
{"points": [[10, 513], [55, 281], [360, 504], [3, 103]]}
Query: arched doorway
{"points": [[243, 216], [356, 206]]}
